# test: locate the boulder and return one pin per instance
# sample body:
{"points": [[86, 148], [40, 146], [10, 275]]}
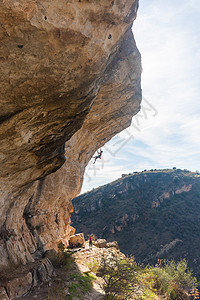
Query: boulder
{"points": [[50, 254], [44, 271], [20, 280], [49, 267], [100, 243], [77, 240], [113, 244], [17, 287]]}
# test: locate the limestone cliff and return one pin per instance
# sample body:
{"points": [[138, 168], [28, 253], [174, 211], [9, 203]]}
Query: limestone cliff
{"points": [[70, 80]]}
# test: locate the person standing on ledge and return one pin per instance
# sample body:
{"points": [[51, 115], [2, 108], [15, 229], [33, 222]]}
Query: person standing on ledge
{"points": [[91, 237]]}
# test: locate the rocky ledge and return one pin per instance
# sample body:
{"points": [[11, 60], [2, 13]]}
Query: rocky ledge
{"points": [[70, 80]]}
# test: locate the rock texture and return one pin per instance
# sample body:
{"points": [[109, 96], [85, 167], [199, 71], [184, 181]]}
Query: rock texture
{"points": [[77, 240], [70, 281], [70, 80], [19, 281]]}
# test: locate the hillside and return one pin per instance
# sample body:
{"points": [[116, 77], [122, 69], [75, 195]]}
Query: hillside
{"points": [[152, 214]]}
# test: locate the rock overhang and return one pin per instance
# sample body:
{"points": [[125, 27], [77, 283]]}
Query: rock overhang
{"points": [[70, 80]]}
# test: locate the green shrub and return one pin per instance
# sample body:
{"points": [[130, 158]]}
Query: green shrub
{"points": [[174, 279], [161, 280], [119, 277]]}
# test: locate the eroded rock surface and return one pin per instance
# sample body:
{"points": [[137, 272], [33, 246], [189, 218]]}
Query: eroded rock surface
{"points": [[17, 282], [70, 80]]}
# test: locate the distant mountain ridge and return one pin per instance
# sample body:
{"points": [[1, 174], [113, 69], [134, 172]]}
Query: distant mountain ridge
{"points": [[152, 214]]}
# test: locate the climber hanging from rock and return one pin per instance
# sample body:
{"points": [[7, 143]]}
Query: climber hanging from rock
{"points": [[97, 156]]}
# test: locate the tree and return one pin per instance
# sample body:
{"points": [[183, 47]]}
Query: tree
{"points": [[119, 275]]}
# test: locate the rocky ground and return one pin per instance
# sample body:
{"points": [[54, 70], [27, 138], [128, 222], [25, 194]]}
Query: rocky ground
{"points": [[75, 275], [65, 282]]}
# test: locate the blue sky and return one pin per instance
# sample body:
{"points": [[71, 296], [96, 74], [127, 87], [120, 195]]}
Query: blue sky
{"points": [[166, 131]]}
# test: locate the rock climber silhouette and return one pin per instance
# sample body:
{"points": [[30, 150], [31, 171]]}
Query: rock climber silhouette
{"points": [[97, 156]]}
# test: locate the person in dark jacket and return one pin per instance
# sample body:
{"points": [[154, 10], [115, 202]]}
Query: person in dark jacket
{"points": [[91, 237]]}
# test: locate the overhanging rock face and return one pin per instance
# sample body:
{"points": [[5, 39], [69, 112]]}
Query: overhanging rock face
{"points": [[70, 80]]}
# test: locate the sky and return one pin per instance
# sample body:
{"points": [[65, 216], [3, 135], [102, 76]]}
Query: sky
{"points": [[166, 131]]}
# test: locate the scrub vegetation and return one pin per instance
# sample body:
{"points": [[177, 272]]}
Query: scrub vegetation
{"points": [[124, 279]]}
